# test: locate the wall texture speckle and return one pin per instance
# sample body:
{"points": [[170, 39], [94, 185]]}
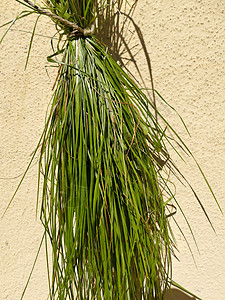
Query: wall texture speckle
{"points": [[185, 41]]}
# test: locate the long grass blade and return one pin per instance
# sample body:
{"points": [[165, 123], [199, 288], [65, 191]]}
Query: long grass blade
{"points": [[31, 41]]}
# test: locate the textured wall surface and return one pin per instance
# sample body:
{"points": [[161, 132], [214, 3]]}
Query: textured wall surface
{"points": [[185, 41]]}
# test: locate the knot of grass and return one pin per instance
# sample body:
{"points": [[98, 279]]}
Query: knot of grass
{"points": [[77, 30], [86, 32]]}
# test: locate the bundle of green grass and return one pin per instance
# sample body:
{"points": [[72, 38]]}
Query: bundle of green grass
{"points": [[103, 208]]}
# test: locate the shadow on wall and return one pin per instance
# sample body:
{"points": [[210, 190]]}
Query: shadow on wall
{"points": [[174, 294], [117, 29]]}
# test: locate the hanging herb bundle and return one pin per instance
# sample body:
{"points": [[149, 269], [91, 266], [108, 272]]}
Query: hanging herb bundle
{"points": [[102, 155]]}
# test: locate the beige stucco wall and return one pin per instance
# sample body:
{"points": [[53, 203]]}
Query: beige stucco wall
{"points": [[186, 44]]}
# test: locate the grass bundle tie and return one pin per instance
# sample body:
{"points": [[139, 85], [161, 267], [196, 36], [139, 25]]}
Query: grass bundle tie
{"points": [[77, 31], [85, 32]]}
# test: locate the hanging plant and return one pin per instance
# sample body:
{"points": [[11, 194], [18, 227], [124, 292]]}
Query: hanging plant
{"points": [[103, 161]]}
